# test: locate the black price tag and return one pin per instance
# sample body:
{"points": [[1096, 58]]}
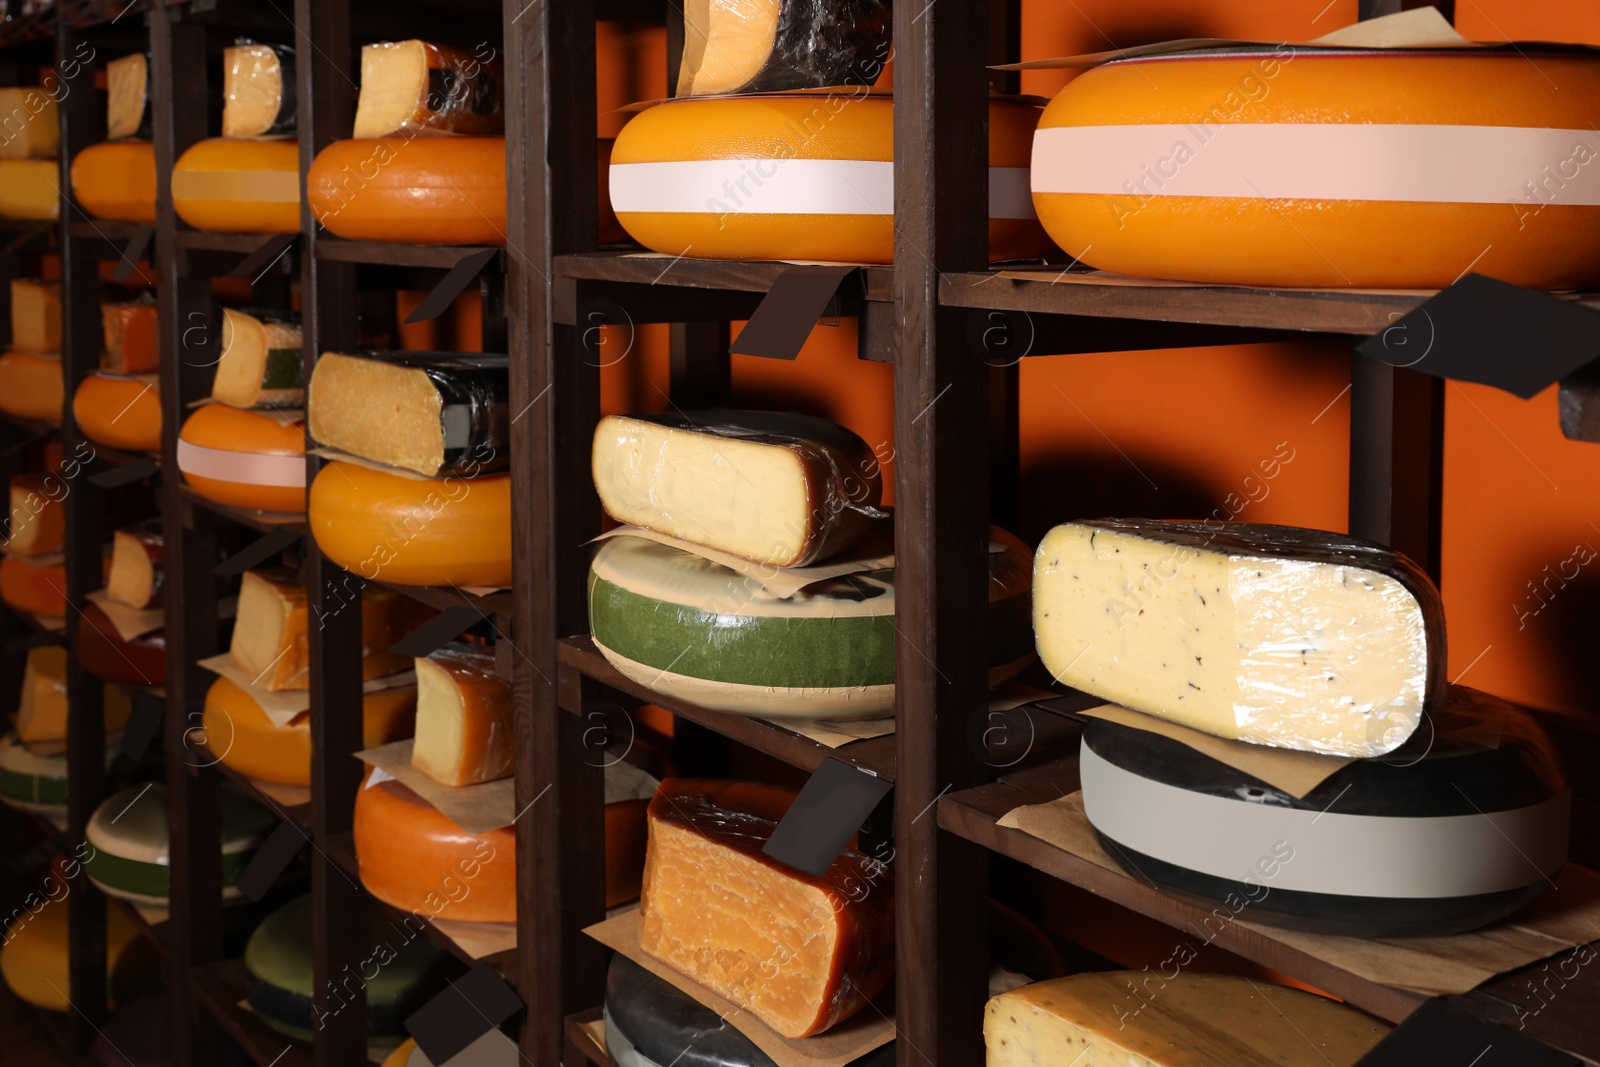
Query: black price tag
{"points": [[266, 254], [1440, 1034], [827, 813], [125, 473], [438, 301], [137, 243], [270, 860], [436, 632], [784, 318], [474, 1004], [142, 727], [265, 548]]}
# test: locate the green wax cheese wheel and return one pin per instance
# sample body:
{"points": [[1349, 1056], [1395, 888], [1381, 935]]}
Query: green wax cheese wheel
{"points": [[704, 633], [129, 834], [33, 781], [401, 972]]}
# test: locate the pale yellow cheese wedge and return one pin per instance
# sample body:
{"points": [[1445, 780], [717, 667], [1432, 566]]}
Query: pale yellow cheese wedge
{"points": [[127, 90], [35, 315], [463, 719], [29, 127]]}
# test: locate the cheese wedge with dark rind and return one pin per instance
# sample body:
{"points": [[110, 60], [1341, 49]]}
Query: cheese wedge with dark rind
{"points": [[417, 87], [435, 413], [128, 97], [258, 90], [464, 719], [36, 525], [129, 832], [136, 565], [133, 337], [766, 46], [261, 363], [783, 489], [1189, 1020], [1271, 634]]}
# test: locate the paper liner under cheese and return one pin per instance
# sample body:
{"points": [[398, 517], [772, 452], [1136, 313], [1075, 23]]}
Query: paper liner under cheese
{"points": [[258, 90], [417, 87], [774, 45]]}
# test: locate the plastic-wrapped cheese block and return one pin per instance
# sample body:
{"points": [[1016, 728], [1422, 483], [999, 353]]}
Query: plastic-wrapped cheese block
{"points": [[42, 706], [1192, 1020], [237, 186], [463, 718], [767, 46], [35, 315], [116, 180], [702, 633], [1461, 826], [408, 969], [133, 337], [38, 782], [261, 363], [1271, 634], [419, 190], [136, 565], [32, 130], [104, 654], [242, 736], [258, 90], [31, 386], [414, 531], [34, 960], [128, 97], [37, 521], [36, 589], [795, 177], [30, 189], [120, 411], [1343, 171], [705, 872], [129, 834], [783, 489], [245, 459], [435, 413], [415, 87]]}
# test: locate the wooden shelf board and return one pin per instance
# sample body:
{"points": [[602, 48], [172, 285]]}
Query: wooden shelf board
{"points": [[32, 427], [580, 656], [221, 987], [442, 257], [119, 458], [266, 522], [204, 241], [582, 1039], [446, 597], [639, 267], [291, 802]]}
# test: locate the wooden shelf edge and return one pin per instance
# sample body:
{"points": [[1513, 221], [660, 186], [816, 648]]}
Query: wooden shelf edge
{"points": [[378, 253], [581, 1041], [638, 266], [299, 814], [265, 522], [220, 987], [445, 597]]}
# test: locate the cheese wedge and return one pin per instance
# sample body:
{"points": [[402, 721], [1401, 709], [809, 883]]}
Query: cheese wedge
{"points": [[136, 553], [435, 413], [31, 386], [30, 189], [419, 87], [1142, 1019], [29, 126], [824, 947], [42, 705], [36, 589], [775, 488], [463, 719], [1279, 636], [35, 315], [133, 337], [128, 97], [37, 523], [260, 365], [120, 411], [762, 46], [258, 90]]}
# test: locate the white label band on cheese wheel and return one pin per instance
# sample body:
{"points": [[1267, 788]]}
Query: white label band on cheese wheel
{"points": [[256, 186], [786, 187], [247, 468], [1341, 855], [1322, 161]]}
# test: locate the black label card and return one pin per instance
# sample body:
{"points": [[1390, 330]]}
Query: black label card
{"points": [[827, 813], [474, 1004], [784, 318], [1439, 1034]]}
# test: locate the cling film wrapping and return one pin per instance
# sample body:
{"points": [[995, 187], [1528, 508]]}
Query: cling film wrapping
{"points": [[417, 87], [261, 364], [258, 89], [758, 46]]}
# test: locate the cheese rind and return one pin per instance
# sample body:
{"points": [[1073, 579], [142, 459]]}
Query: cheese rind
{"points": [[261, 360], [258, 90], [239, 186], [245, 459], [37, 523], [29, 126], [417, 87], [120, 412], [763, 46], [136, 565], [130, 837], [35, 315], [133, 337], [30, 189], [1293, 638], [31, 386], [116, 180], [463, 719], [240, 735], [1142, 1019], [422, 190], [128, 96]]}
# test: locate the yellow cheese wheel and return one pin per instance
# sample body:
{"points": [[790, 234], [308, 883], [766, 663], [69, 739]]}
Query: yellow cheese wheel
{"points": [[414, 531], [239, 186], [31, 386], [37, 590], [401, 1056], [120, 412], [238, 731], [30, 189], [795, 177], [423, 190], [1298, 168], [34, 959], [245, 459], [116, 180]]}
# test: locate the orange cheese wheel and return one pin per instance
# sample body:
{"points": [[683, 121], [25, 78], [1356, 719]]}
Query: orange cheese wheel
{"points": [[413, 531], [237, 186], [35, 590], [30, 189], [1326, 170], [116, 180], [245, 459], [120, 412], [795, 177], [423, 190], [31, 386], [239, 732]]}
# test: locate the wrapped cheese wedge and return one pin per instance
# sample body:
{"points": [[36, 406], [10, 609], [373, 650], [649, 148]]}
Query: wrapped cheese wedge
{"points": [[133, 337], [270, 639], [1279, 636], [241, 735], [32, 128], [258, 90], [261, 361], [245, 459], [120, 411], [34, 960], [35, 315], [105, 654], [435, 413], [417, 87], [37, 523], [136, 565], [706, 869], [767, 46], [116, 180], [464, 728], [38, 589], [1191, 1020], [30, 189], [42, 706], [128, 97], [783, 489], [419, 190], [239, 186], [31, 386]]}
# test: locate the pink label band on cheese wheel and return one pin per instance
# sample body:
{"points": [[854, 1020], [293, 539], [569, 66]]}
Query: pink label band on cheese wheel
{"points": [[1320, 161], [247, 468], [256, 186]]}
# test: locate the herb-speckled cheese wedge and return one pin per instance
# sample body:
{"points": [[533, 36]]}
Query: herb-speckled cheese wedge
{"points": [[696, 630]]}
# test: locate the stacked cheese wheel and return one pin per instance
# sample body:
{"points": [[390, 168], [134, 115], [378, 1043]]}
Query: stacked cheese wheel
{"points": [[34, 959], [116, 179], [243, 736], [122, 641], [30, 373], [121, 411], [33, 757], [29, 174]]}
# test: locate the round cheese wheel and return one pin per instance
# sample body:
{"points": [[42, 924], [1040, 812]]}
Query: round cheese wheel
{"points": [[245, 459], [104, 654], [120, 411], [129, 834], [1332, 169], [795, 177], [38, 782], [116, 180], [1462, 825], [413, 531], [37, 590], [237, 728], [34, 959], [700, 632], [30, 189], [423, 190], [31, 386], [239, 186], [408, 969]]}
